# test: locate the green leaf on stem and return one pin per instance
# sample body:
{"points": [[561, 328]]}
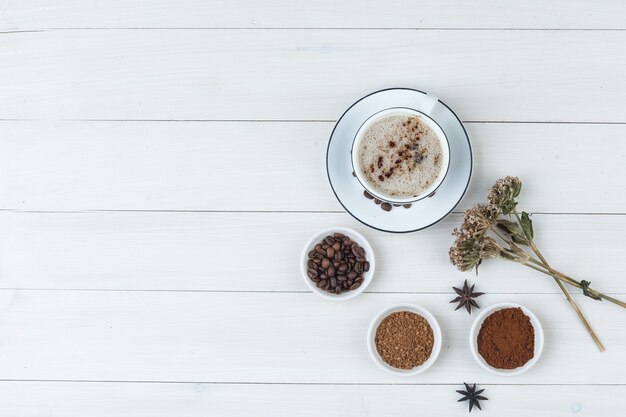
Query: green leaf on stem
{"points": [[514, 230], [588, 292], [527, 226]]}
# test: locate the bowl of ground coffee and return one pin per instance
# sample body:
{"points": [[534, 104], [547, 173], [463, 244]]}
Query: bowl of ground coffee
{"points": [[506, 339], [404, 339]]}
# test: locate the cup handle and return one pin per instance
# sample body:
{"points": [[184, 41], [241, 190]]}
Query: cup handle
{"points": [[428, 104]]}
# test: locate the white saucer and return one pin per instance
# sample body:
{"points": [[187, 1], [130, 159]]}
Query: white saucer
{"points": [[423, 213]]}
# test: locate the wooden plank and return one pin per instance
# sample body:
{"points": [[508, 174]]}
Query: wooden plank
{"points": [[194, 400], [559, 14], [252, 337], [243, 166], [203, 251], [309, 75]]}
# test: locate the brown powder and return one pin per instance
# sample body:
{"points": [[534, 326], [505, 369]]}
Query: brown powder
{"points": [[506, 339], [404, 340]]}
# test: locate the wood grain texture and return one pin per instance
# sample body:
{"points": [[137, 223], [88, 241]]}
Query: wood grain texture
{"points": [[559, 14], [261, 252], [309, 75], [149, 262], [287, 338], [280, 166], [199, 399]]}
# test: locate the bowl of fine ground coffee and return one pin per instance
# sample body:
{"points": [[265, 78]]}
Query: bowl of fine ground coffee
{"points": [[404, 339], [506, 339]]}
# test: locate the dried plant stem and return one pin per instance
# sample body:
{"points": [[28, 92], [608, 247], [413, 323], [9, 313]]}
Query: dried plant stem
{"points": [[551, 271], [548, 270], [569, 298], [572, 303]]}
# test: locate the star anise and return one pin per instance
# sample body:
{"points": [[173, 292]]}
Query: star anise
{"points": [[470, 394], [466, 297]]}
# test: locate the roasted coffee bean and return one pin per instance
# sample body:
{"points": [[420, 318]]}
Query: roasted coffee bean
{"points": [[315, 280], [316, 261], [359, 279], [377, 201], [323, 276], [367, 195], [343, 268], [311, 264], [341, 278], [330, 271], [358, 268], [337, 290], [312, 253], [360, 259], [366, 266], [325, 263], [360, 251], [350, 282], [355, 286], [318, 246], [338, 256], [345, 285], [312, 273], [330, 252], [336, 246], [406, 206], [333, 282], [321, 283], [338, 235], [386, 206], [336, 264], [352, 275], [346, 241], [329, 240]]}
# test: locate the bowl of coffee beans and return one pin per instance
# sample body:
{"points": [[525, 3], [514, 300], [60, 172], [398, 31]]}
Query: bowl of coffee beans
{"points": [[338, 263], [404, 339], [506, 339]]}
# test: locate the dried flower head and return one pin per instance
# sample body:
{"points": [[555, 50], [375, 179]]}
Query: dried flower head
{"points": [[467, 252], [504, 193]]}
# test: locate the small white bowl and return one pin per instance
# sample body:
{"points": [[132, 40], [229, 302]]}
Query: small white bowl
{"points": [[356, 237], [413, 308], [473, 339]]}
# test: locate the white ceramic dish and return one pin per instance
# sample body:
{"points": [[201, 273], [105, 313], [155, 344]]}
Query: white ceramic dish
{"points": [[476, 328], [356, 237], [414, 308], [423, 213]]}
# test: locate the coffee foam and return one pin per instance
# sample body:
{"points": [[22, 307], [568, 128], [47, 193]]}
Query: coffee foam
{"points": [[400, 155]]}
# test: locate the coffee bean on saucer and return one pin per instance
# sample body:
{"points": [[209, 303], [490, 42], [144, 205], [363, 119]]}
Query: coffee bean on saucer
{"points": [[377, 201], [337, 264], [406, 206], [386, 206], [368, 195]]}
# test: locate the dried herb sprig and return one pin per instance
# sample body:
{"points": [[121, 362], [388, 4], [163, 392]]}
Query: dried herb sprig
{"points": [[485, 233]]}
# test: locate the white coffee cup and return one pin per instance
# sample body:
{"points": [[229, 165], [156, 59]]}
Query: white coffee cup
{"points": [[422, 113]]}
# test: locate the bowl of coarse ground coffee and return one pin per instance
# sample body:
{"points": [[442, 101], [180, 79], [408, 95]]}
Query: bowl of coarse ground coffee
{"points": [[404, 339], [506, 339]]}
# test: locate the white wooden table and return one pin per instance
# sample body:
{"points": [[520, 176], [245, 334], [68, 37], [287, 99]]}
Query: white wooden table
{"points": [[162, 164]]}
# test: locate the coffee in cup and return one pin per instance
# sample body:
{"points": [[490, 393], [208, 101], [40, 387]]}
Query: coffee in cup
{"points": [[400, 155]]}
